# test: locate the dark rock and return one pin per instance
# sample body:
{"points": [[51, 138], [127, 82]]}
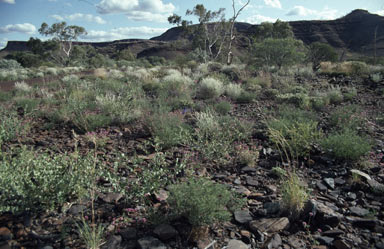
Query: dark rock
{"points": [[341, 244], [111, 197], [321, 187], [243, 216], [359, 211], [252, 182], [330, 182], [242, 190], [350, 196], [246, 236], [269, 225], [113, 242], [77, 209], [296, 243], [47, 247], [376, 187], [363, 223], [273, 243], [237, 181], [219, 176], [165, 232], [5, 234], [150, 243], [248, 169], [236, 244], [339, 181], [333, 233], [129, 233], [379, 245], [324, 240], [259, 236], [322, 213], [161, 195], [272, 207]]}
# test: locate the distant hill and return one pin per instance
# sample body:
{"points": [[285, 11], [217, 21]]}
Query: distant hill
{"points": [[353, 33]]}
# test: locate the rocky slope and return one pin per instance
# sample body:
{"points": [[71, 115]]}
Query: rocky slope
{"points": [[353, 33]]}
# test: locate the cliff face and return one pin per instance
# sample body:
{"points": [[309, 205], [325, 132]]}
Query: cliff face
{"points": [[354, 32], [358, 32]]}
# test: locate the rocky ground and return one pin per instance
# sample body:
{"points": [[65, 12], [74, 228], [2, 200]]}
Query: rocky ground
{"points": [[345, 210]]}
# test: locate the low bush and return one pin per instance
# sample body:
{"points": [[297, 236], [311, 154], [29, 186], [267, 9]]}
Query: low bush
{"points": [[27, 104], [38, 182], [223, 108], [9, 64], [335, 95], [210, 88], [246, 97], [233, 91], [294, 194], [346, 145], [10, 125], [346, 117], [202, 202], [169, 129]]}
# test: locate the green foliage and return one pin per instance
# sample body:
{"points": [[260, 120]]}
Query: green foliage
{"points": [[202, 202], [28, 104], [346, 145], [210, 88], [91, 234], [223, 108], [277, 30], [299, 99], [346, 117], [26, 59], [278, 52], [319, 52], [294, 194], [10, 125], [150, 176], [37, 182], [246, 97], [293, 133], [335, 95], [9, 64], [169, 129], [214, 135]]}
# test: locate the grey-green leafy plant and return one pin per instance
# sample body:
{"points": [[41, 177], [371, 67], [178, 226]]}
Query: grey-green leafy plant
{"points": [[294, 194], [346, 145], [10, 125], [202, 202]]}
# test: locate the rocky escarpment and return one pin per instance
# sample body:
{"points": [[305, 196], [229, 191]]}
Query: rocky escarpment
{"points": [[359, 32]]}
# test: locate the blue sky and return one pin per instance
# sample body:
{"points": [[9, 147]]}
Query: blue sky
{"points": [[107, 20]]}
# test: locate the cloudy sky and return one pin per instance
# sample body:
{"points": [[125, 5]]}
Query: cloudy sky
{"points": [[107, 20]]}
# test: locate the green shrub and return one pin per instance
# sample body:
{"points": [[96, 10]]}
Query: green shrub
{"points": [[214, 135], [169, 129], [5, 96], [293, 132], [335, 95], [28, 104], [246, 97], [233, 91], [91, 121], [9, 64], [271, 93], [346, 145], [346, 117], [223, 108], [210, 88], [349, 93], [294, 194], [38, 182], [10, 125], [202, 202], [301, 100]]}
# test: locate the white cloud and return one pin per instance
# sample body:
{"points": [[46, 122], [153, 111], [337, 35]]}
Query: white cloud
{"points": [[257, 19], [380, 12], [3, 42], [273, 3], [57, 17], [8, 1], [86, 17], [123, 33], [138, 10], [81, 17], [25, 28], [325, 14]]}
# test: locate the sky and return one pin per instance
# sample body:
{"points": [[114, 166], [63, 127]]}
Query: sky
{"points": [[108, 20]]}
